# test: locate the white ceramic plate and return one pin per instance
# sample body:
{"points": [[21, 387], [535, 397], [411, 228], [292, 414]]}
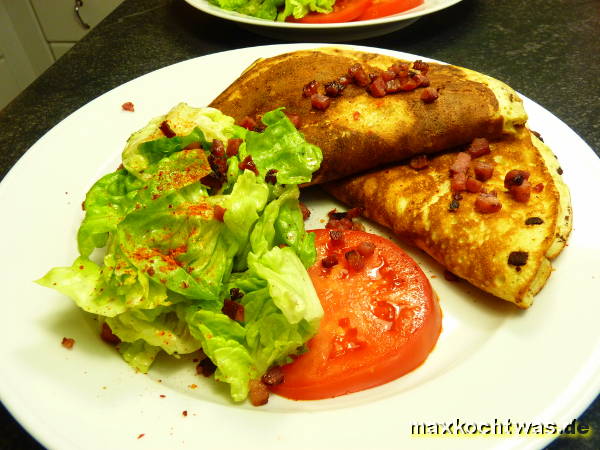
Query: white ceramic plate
{"points": [[326, 32], [492, 361]]}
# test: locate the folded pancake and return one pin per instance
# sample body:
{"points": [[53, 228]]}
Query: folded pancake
{"points": [[506, 253], [360, 132]]}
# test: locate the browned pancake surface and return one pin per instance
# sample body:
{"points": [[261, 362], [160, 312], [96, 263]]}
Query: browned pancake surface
{"points": [[359, 132], [474, 246]]}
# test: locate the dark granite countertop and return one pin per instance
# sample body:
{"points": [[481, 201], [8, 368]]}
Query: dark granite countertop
{"points": [[547, 50]]}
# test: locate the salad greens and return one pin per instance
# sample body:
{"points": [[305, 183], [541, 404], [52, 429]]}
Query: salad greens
{"points": [[276, 9], [172, 259]]}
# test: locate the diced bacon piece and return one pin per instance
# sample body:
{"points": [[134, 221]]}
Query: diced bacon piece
{"points": [[320, 102], [273, 376], [458, 182], [393, 86], [421, 80], [400, 68], [310, 88], [365, 249], [248, 163], [217, 149], [461, 163], [479, 147], [409, 84], [355, 260], [248, 122], [358, 75], [515, 178], [329, 261], [334, 89], [388, 75], [219, 212], [305, 211], [337, 238], [108, 336], [206, 367], [344, 80], [68, 343], [487, 203], [421, 66], [295, 119], [233, 310], [522, 192], [377, 87], [483, 170], [271, 176], [258, 393], [166, 129], [233, 146], [429, 95], [473, 185]]}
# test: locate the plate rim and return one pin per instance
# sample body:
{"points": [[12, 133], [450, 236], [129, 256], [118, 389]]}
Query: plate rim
{"points": [[414, 13], [577, 407]]}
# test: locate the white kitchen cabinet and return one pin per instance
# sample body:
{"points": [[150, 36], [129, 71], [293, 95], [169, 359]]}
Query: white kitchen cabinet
{"points": [[59, 22], [35, 33]]}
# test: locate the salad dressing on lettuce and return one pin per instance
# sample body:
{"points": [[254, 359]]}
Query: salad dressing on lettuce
{"points": [[175, 249]]}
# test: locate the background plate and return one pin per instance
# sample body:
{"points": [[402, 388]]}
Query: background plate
{"points": [[493, 363], [325, 32]]}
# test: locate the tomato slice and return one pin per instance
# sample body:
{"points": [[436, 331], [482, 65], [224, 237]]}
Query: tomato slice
{"points": [[343, 11], [383, 8], [381, 321]]}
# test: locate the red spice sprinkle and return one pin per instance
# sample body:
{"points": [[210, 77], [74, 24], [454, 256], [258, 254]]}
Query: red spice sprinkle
{"points": [[162, 395], [356, 115], [184, 413], [68, 342], [141, 435], [166, 129], [127, 106]]}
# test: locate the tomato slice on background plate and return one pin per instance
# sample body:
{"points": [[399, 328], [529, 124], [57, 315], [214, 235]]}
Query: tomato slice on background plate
{"points": [[343, 11], [381, 321], [383, 8]]}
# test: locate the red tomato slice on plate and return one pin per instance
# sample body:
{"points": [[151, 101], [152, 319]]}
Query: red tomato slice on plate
{"points": [[343, 11], [383, 8], [381, 321]]}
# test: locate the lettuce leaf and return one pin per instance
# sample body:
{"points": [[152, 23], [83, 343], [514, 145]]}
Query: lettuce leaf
{"points": [[173, 249], [271, 9]]}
